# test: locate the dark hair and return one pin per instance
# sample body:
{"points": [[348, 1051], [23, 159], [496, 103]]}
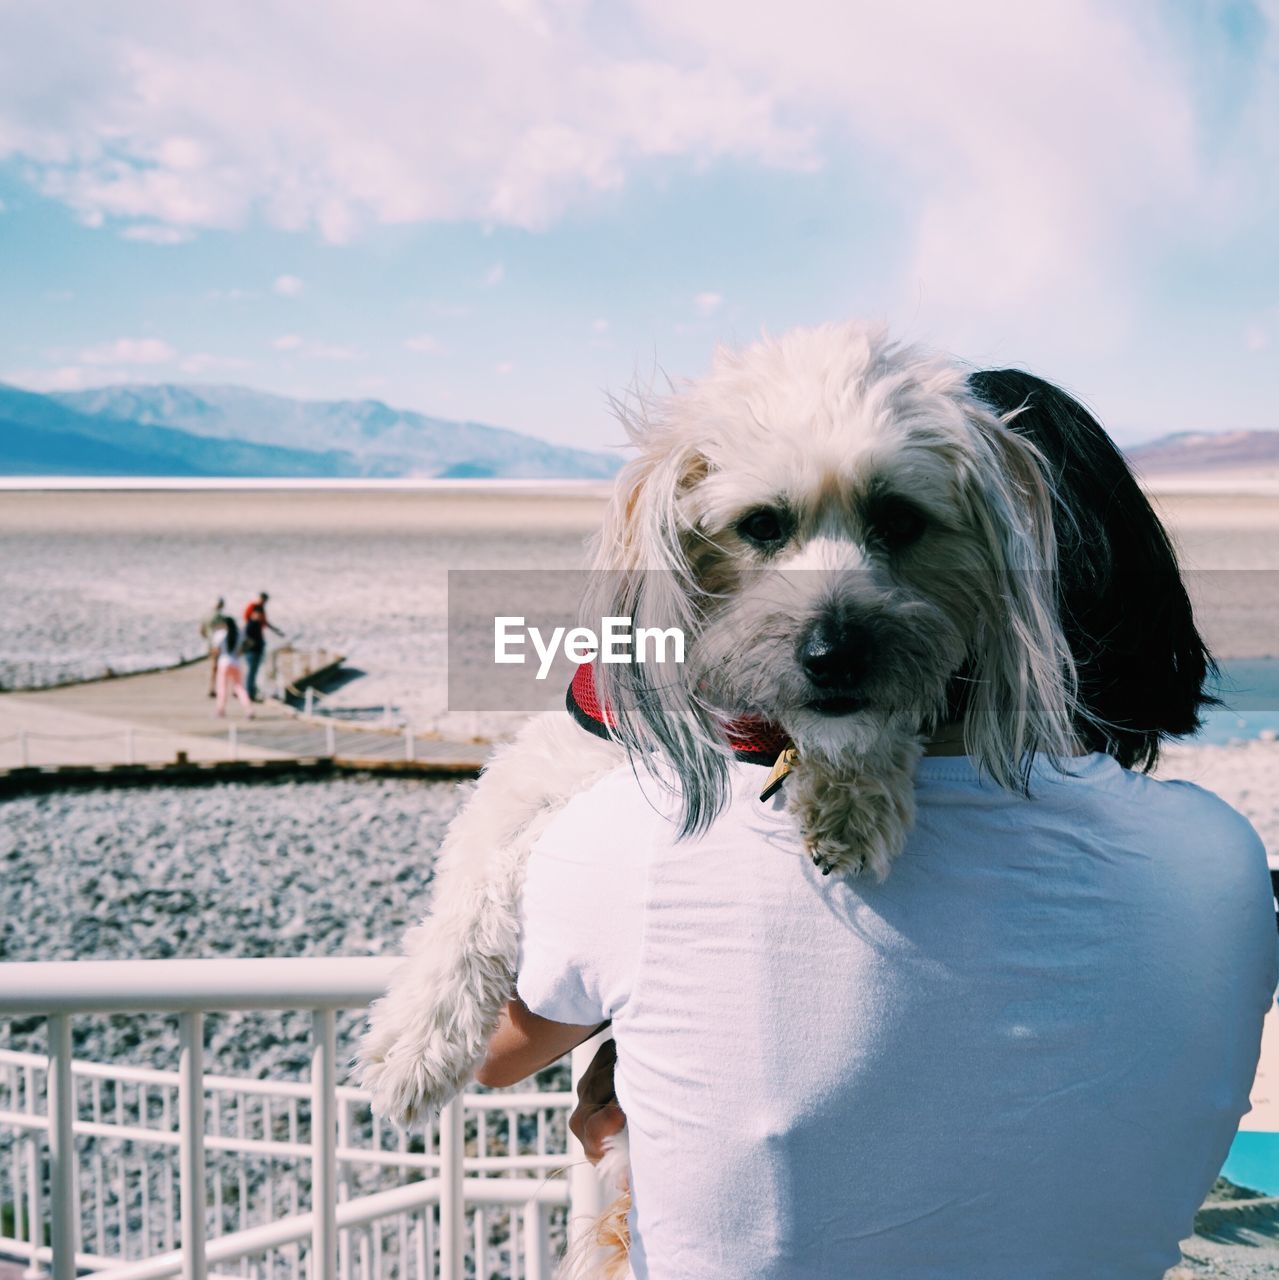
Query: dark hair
{"points": [[1142, 664]]}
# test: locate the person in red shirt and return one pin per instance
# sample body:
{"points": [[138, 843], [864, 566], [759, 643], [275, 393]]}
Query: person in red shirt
{"points": [[256, 625]]}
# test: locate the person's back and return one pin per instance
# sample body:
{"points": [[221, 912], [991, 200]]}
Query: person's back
{"points": [[254, 630], [1023, 1056], [228, 642]]}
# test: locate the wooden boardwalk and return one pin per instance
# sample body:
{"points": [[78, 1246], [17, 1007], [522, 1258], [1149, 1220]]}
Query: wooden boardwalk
{"points": [[163, 723]]}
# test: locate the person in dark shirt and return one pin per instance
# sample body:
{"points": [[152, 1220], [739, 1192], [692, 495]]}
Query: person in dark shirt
{"points": [[256, 625]]}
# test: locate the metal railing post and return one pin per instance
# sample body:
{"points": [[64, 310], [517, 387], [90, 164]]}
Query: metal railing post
{"points": [[330, 739], [537, 1244], [310, 701], [191, 1194], [34, 1172], [64, 1214], [410, 751], [324, 1083], [452, 1206]]}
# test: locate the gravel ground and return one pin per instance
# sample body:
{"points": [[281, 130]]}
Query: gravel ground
{"points": [[242, 869]]}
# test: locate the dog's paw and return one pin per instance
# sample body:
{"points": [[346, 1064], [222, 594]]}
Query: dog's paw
{"points": [[872, 854], [855, 817]]}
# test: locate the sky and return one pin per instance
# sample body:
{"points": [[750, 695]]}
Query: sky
{"points": [[508, 210]]}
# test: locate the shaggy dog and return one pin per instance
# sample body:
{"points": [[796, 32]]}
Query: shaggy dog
{"points": [[858, 551]]}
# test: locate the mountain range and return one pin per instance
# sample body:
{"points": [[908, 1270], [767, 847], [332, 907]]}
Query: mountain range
{"points": [[162, 430], [1196, 451], [165, 430]]}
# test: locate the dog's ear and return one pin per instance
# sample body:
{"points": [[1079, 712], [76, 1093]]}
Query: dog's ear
{"points": [[1022, 699], [643, 525], [642, 572]]}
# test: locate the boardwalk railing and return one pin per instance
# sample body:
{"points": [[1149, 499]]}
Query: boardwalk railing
{"points": [[132, 744], [137, 1174]]}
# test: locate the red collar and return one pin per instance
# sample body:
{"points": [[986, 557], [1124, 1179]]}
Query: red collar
{"points": [[752, 741]]}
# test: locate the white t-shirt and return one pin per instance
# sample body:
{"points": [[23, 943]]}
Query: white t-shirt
{"points": [[1022, 1057]]}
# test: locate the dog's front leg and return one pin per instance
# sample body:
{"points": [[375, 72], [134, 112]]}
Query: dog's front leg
{"points": [[855, 812]]}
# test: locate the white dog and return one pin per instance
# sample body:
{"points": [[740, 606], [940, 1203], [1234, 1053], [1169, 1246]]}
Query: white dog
{"points": [[858, 551]]}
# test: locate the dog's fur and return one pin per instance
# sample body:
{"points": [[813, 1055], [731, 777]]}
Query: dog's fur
{"points": [[909, 518]]}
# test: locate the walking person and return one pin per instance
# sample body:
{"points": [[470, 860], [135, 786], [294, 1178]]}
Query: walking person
{"points": [[230, 666], [256, 625], [209, 629]]}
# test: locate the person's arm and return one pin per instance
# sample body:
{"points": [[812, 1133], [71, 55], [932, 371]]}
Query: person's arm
{"points": [[597, 1116], [525, 1043]]}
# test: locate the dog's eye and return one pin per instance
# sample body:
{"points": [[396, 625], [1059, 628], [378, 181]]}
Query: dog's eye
{"points": [[896, 523], [765, 527]]}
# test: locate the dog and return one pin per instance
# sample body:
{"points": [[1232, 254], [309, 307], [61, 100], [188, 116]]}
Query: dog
{"points": [[858, 551]]}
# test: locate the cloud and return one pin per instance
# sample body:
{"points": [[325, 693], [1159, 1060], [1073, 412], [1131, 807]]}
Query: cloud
{"points": [[1023, 130], [599, 325], [312, 350], [494, 275], [1255, 338], [128, 351], [61, 378], [202, 362], [1029, 155], [504, 368], [287, 286], [157, 233], [424, 344], [339, 117], [706, 304]]}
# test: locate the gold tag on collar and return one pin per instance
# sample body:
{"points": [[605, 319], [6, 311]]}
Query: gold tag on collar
{"points": [[785, 763]]}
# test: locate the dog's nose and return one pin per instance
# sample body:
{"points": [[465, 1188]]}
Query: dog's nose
{"points": [[835, 654]]}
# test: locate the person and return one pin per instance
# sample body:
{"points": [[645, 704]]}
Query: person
{"points": [[256, 625], [228, 642], [208, 628], [1024, 1054]]}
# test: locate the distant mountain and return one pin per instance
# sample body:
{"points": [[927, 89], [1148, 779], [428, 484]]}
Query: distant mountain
{"points": [[1187, 451], [360, 437], [40, 437]]}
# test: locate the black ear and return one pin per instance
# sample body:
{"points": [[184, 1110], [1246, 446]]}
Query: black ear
{"points": [[1141, 664]]}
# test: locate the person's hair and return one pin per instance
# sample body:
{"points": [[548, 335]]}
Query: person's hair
{"points": [[1142, 665]]}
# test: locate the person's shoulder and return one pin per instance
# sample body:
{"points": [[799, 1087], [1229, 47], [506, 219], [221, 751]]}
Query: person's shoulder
{"points": [[1182, 812], [612, 819]]}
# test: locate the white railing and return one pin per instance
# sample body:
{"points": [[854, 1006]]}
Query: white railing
{"points": [[137, 1174], [139, 744]]}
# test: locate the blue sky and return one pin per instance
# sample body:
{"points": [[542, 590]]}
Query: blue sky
{"points": [[505, 211]]}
